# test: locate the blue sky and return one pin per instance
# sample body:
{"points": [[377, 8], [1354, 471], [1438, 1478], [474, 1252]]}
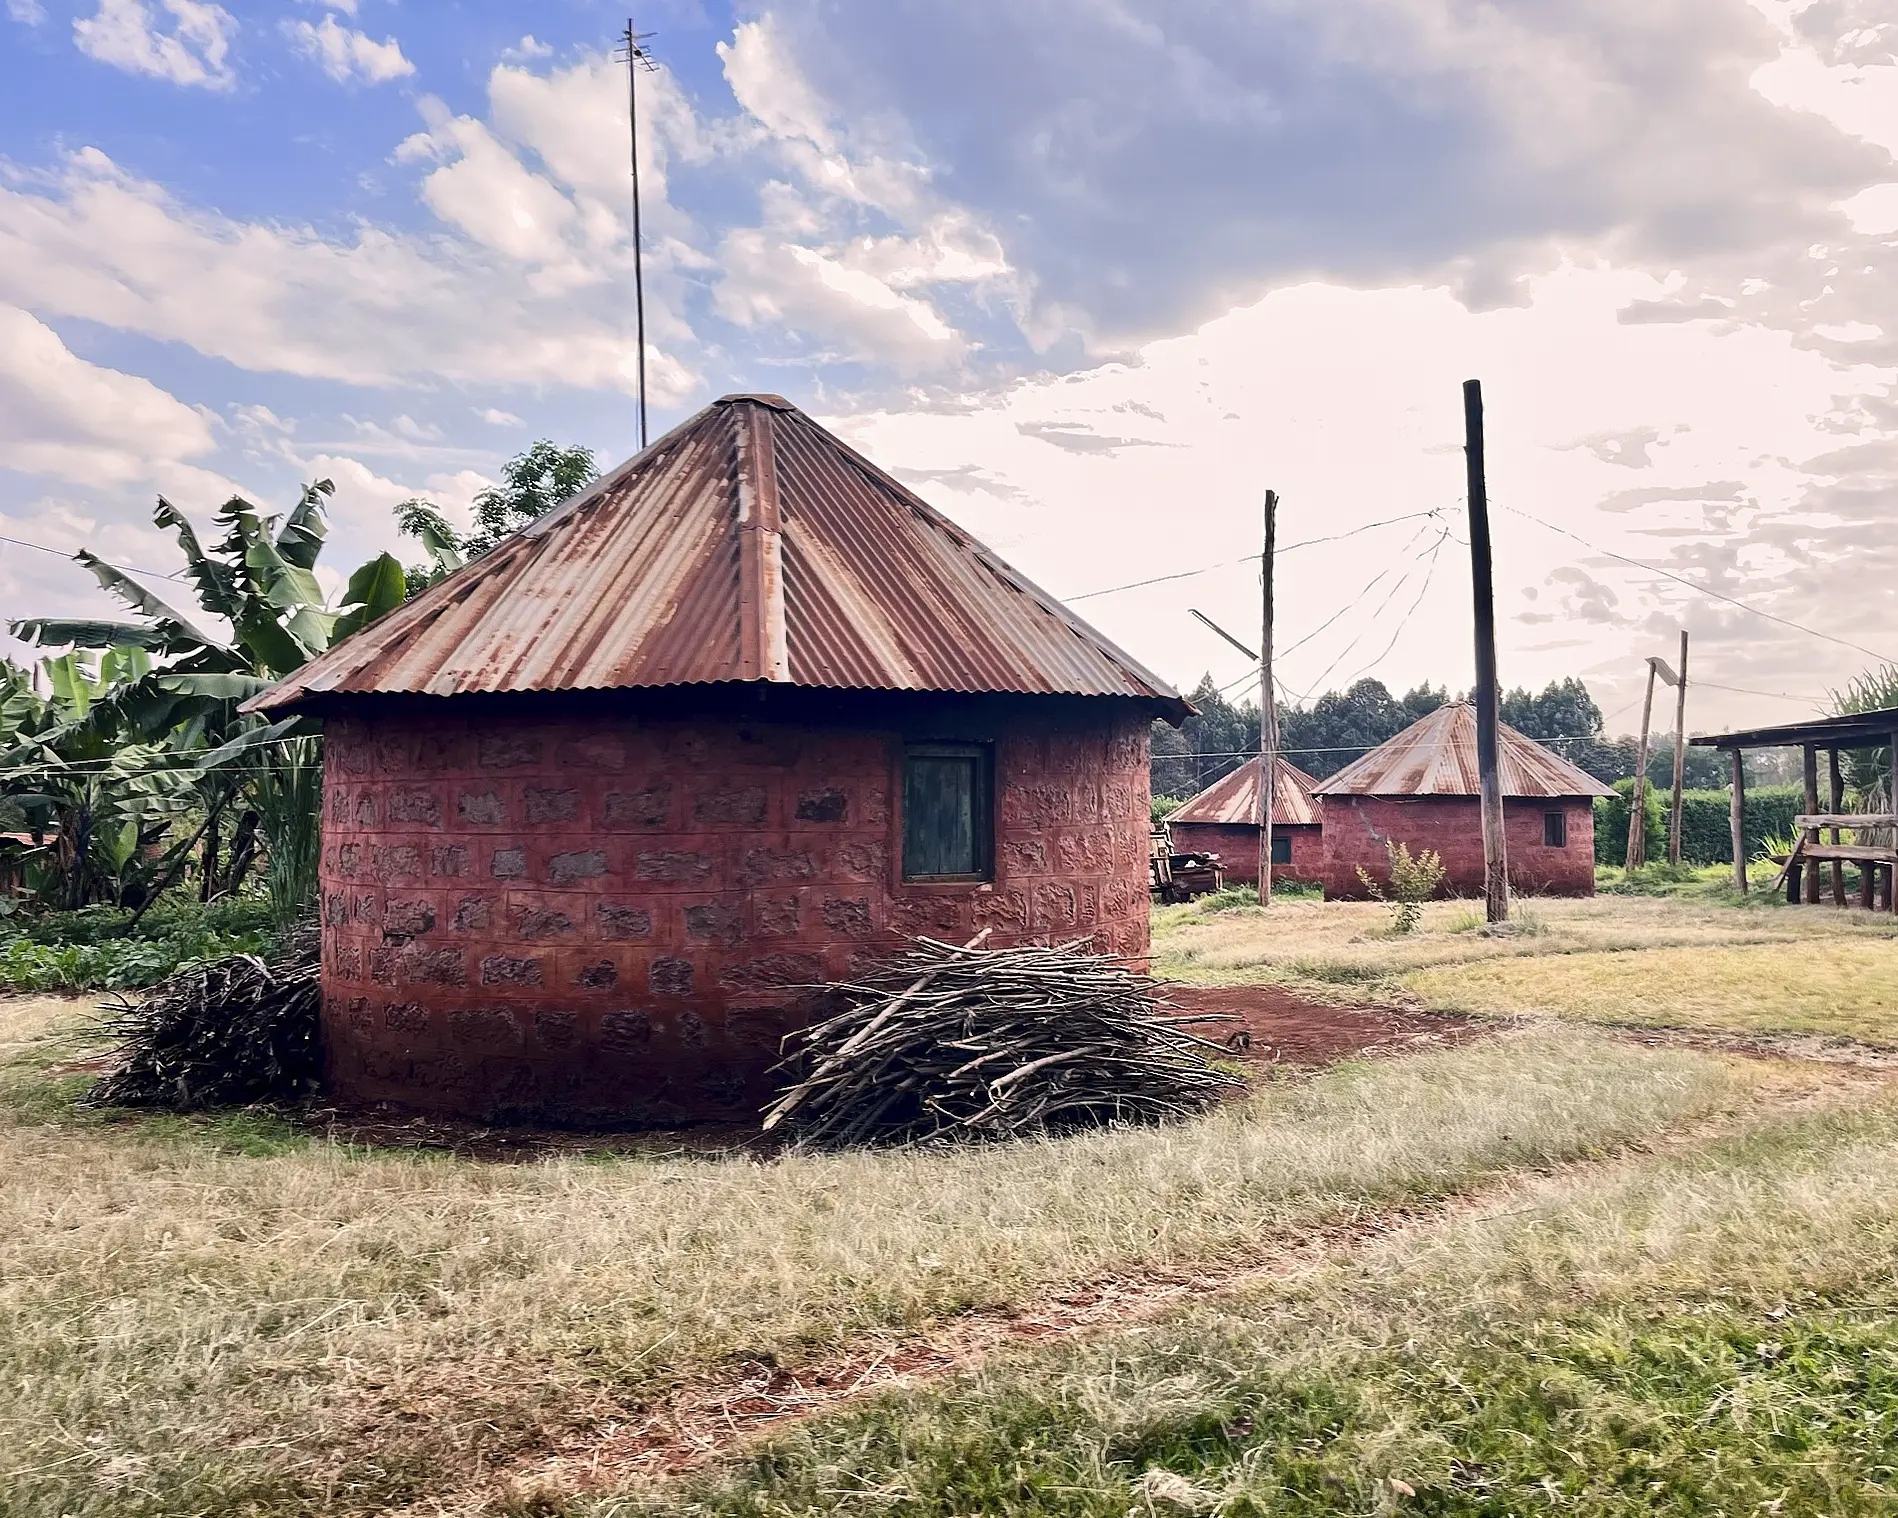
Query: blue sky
{"points": [[1090, 273]]}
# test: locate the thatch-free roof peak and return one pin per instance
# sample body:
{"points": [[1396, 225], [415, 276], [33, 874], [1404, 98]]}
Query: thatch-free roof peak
{"points": [[1436, 756], [747, 544], [1233, 800]]}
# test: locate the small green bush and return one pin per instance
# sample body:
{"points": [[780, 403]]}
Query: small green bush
{"points": [[97, 949], [1412, 883]]}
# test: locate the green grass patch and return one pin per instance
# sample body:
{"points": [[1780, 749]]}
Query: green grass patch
{"points": [[1712, 1333], [1843, 988]]}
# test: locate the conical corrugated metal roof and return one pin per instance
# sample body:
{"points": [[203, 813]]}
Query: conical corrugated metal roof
{"points": [[1234, 799], [1437, 757], [747, 544]]}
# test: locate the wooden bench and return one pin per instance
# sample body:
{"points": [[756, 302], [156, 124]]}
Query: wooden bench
{"points": [[1877, 862]]}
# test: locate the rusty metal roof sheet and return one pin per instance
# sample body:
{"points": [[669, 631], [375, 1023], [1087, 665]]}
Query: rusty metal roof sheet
{"points": [[747, 544], [1235, 799], [1437, 757]]}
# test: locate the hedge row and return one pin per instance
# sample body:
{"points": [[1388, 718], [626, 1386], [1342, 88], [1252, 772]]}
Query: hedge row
{"points": [[1706, 833]]}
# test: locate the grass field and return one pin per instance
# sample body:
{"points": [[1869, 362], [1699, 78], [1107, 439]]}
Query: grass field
{"points": [[1757, 966], [1551, 1268]]}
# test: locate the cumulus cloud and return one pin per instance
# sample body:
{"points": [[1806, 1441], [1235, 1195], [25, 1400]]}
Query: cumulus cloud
{"points": [[77, 421], [127, 35], [346, 55], [1154, 163], [26, 12], [93, 242]]}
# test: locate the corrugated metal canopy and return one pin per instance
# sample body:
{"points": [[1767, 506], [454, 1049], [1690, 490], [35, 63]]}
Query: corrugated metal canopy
{"points": [[1437, 757], [747, 544], [1873, 729], [1234, 800]]}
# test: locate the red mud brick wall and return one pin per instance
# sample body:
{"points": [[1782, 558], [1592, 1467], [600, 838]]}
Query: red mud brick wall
{"points": [[1238, 850], [1356, 827], [589, 919]]}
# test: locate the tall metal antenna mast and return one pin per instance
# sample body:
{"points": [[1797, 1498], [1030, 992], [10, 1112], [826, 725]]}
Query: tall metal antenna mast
{"points": [[632, 52]]}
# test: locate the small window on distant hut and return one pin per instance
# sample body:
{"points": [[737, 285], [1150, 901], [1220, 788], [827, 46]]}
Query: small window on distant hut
{"points": [[1555, 829], [947, 818], [1281, 848]]}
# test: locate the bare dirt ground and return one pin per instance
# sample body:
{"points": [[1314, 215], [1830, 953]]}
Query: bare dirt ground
{"points": [[1273, 1025]]}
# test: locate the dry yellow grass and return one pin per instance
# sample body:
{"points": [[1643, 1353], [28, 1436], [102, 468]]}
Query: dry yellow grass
{"points": [[1847, 988], [189, 1327], [1349, 943]]}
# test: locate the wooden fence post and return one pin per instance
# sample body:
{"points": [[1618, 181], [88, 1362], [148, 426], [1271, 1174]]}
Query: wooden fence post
{"points": [[1736, 818]]}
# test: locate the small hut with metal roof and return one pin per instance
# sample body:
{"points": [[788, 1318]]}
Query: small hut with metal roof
{"points": [[1223, 819], [602, 807], [1420, 789]]}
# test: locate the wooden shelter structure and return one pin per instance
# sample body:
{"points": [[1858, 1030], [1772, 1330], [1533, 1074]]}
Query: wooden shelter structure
{"points": [[1223, 819], [604, 807], [1874, 842]]}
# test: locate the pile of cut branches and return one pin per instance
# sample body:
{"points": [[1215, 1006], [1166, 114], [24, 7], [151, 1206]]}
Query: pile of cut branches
{"points": [[221, 1034], [966, 1042]]}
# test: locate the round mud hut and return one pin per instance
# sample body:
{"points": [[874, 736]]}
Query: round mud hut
{"points": [[1223, 819], [1420, 789], [603, 807]]}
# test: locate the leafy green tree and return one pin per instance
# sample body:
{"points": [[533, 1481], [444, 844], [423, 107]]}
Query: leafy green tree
{"points": [[258, 580], [1342, 725], [532, 484]]}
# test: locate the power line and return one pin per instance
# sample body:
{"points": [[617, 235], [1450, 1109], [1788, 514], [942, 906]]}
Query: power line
{"points": [[1253, 558], [1701, 589], [150, 574]]}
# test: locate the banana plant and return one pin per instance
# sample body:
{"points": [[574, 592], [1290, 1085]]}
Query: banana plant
{"points": [[260, 615], [99, 805]]}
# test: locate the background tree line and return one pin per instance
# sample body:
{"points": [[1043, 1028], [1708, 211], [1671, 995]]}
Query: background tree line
{"points": [[1335, 729]]}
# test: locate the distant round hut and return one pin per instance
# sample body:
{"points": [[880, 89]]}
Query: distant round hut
{"points": [[1420, 789], [1223, 819], [602, 808]]}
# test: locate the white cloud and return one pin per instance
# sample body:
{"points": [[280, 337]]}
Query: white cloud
{"points": [[93, 242], [495, 417], [78, 421], [344, 54], [1726, 452], [27, 12], [126, 35]]}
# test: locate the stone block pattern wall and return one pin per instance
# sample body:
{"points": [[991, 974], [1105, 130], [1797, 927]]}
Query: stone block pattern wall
{"points": [[1238, 850], [1356, 827], [600, 921]]}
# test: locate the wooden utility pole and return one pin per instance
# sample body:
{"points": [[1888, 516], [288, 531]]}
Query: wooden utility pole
{"points": [[1680, 756], [1736, 819], [1638, 798], [1268, 709], [1488, 692]]}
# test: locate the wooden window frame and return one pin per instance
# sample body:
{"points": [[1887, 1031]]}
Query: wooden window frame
{"points": [[1284, 841], [983, 807], [1554, 820]]}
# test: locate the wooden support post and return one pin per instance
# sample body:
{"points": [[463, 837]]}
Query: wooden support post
{"points": [[1810, 754], [1680, 756], [1488, 691], [1736, 818], [1891, 805], [1837, 792], [1638, 798], [1268, 709]]}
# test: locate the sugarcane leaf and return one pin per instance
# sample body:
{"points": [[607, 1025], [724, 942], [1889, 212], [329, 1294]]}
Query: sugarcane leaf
{"points": [[249, 742]]}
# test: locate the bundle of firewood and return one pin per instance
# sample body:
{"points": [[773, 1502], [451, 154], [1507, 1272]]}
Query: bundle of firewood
{"points": [[225, 1033], [967, 1042]]}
